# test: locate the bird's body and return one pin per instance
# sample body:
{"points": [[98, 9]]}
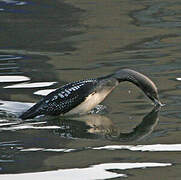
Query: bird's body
{"points": [[74, 98], [81, 96]]}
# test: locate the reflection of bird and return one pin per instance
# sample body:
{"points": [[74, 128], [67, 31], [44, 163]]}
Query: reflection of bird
{"points": [[95, 126], [82, 96], [144, 129], [104, 127], [90, 126]]}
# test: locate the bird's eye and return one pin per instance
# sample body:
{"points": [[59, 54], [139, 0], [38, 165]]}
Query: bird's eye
{"points": [[148, 94]]}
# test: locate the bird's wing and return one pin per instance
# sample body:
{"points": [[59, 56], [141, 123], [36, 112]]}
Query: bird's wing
{"points": [[63, 99]]}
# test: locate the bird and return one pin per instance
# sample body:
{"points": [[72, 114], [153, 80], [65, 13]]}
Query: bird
{"points": [[81, 96]]}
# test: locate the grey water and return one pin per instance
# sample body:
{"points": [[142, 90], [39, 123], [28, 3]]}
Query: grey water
{"points": [[45, 44]]}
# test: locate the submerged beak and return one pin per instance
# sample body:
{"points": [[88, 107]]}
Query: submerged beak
{"points": [[141, 81], [157, 103]]}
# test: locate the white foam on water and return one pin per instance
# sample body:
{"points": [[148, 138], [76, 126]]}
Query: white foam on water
{"points": [[24, 126], [31, 85], [14, 107], [152, 148], [44, 92], [91, 173], [47, 150], [7, 124], [4, 79]]}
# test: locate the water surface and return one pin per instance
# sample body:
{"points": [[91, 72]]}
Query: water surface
{"points": [[45, 44]]}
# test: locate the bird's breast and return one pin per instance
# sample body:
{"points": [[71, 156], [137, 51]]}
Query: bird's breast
{"points": [[90, 102]]}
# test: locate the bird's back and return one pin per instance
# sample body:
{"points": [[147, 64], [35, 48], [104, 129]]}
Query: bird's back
{"points": [[63, 99]]}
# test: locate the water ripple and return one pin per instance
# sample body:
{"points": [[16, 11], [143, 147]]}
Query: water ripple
{"points": [[9, 6], [158, 15], [13, 2], [9, 64]]}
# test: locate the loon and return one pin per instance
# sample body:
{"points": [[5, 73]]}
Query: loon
{"points": [[81, 96]]}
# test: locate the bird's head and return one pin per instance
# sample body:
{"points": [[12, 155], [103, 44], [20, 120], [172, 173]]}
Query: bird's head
{"points": [[140, 80]]}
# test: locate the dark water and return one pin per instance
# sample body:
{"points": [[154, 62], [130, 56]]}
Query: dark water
{"points": [[45, 44]]}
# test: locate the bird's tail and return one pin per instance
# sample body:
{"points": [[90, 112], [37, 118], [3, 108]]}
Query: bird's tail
{"points": [[31, 113], [28, 115]]}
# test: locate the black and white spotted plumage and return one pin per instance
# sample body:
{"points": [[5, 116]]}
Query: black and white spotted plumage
{"points": [[63, 99], [82, 96]]}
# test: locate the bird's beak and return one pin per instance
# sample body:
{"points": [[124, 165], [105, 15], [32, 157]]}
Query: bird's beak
{"points": [[158, 103]]}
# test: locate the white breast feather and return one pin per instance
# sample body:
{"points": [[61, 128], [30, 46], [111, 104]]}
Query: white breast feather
{"points": [[90, 102]]}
